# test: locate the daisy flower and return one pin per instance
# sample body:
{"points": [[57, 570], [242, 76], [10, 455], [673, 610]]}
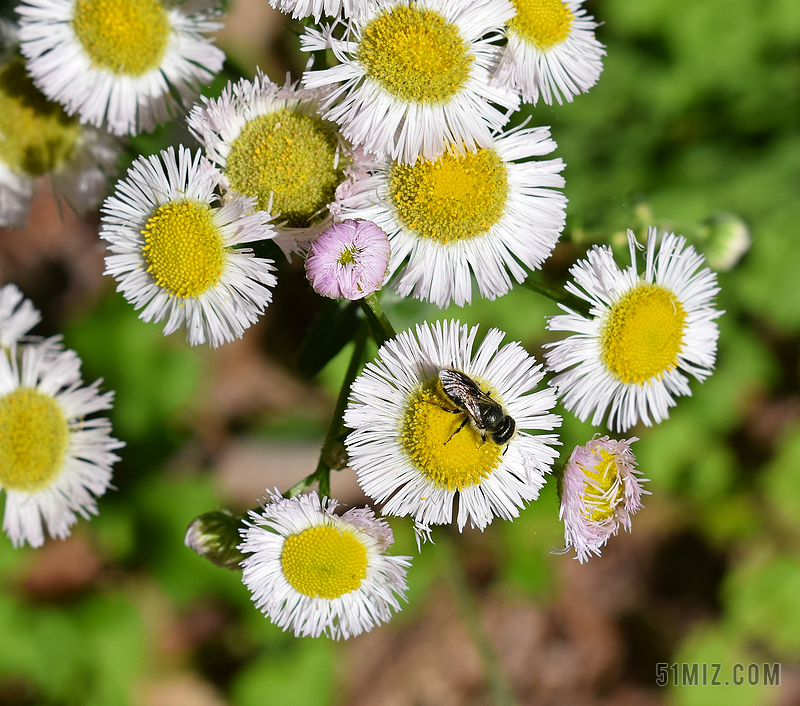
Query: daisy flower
{"points": [[414, 77], [599, 492], [316, 8], [18, 315], [415, 446], [53, 461], [270, 143], [39, 139], [643, 330], [174, 252], [477, 213], [119, 62], [551, 52], [316, 573], [348, 260]]}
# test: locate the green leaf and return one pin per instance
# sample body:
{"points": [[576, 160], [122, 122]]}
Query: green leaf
{"points": [[530, 541], [709, 645], [761, 599], [333, 328], [299, 676], [782, 481]]}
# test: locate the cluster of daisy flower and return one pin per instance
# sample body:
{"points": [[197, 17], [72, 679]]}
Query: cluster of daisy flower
{"points": [[392, 166]]}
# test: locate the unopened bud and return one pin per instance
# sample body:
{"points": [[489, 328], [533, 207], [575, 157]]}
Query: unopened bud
{"points": [[727, 242], [215, 536]]}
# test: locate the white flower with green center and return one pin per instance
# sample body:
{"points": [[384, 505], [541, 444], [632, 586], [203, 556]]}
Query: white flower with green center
{"points": [[599, 493], [643, 331], [175, 250], [551, 52], [271, 144], [39, 139], [17, 316], [415, 449], [119, 62], [54, 461], [461, 215], [415, 77], [316, 573]]}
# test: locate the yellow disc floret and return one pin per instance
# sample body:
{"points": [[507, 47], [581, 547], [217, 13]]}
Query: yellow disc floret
{"points": [[416, 55], [454, 197], [36, 136], [599, 493], [450, 461], [642, 335], [543, 23], [324, 562], [126, 37], [34, 436], [291, 157], [183, 248]]}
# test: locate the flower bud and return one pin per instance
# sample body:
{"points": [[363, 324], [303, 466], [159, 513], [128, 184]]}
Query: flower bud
{"points": [[215, 536], [348, 260]]}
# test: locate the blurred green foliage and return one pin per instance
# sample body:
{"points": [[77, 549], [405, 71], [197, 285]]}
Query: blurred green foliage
{"points": [[697, 112]]}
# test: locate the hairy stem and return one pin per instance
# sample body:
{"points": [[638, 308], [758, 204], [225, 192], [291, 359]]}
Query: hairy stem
{"points": [[379, 324]]}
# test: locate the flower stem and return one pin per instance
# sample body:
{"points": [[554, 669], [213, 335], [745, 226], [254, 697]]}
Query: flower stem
{"points": [[470, 612], [379, 324], [557, 294], [332, 447]]}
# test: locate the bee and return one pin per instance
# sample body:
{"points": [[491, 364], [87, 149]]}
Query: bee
{"points": [[487, 416]]}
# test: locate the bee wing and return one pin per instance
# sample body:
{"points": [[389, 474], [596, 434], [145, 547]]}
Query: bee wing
{"points": [[465, 392]]}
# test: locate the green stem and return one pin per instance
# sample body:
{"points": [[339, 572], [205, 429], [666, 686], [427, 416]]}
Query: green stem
{"points": [[470, 612], [322, 474], [379, 324], [359, 348], [558, 294]]}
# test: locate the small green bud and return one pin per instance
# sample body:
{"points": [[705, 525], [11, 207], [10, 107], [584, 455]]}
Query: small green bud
{"points": [[215, 536], [725, 240], [334, 454]]}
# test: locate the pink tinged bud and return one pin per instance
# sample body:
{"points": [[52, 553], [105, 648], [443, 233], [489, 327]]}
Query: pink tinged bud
{"points": [[600, 491], [348, 260]]}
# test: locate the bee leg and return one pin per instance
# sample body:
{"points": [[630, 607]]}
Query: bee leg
{"points": [[463, 424]]}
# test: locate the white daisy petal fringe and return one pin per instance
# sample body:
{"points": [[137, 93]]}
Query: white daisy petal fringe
{"points": [[585, 385], [239, 297], [85, 473], [384, 125], [124, 104], [352, 613]]}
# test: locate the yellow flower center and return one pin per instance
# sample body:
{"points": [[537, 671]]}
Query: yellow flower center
{"points": [[36, 136], [642, 336], [127, 37], [291, 156], [455, 197], [34, 436], [597, 492], [183, 248], [416, 55], [452, 462], [543, 23], [324, 562], [348, 257]]}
